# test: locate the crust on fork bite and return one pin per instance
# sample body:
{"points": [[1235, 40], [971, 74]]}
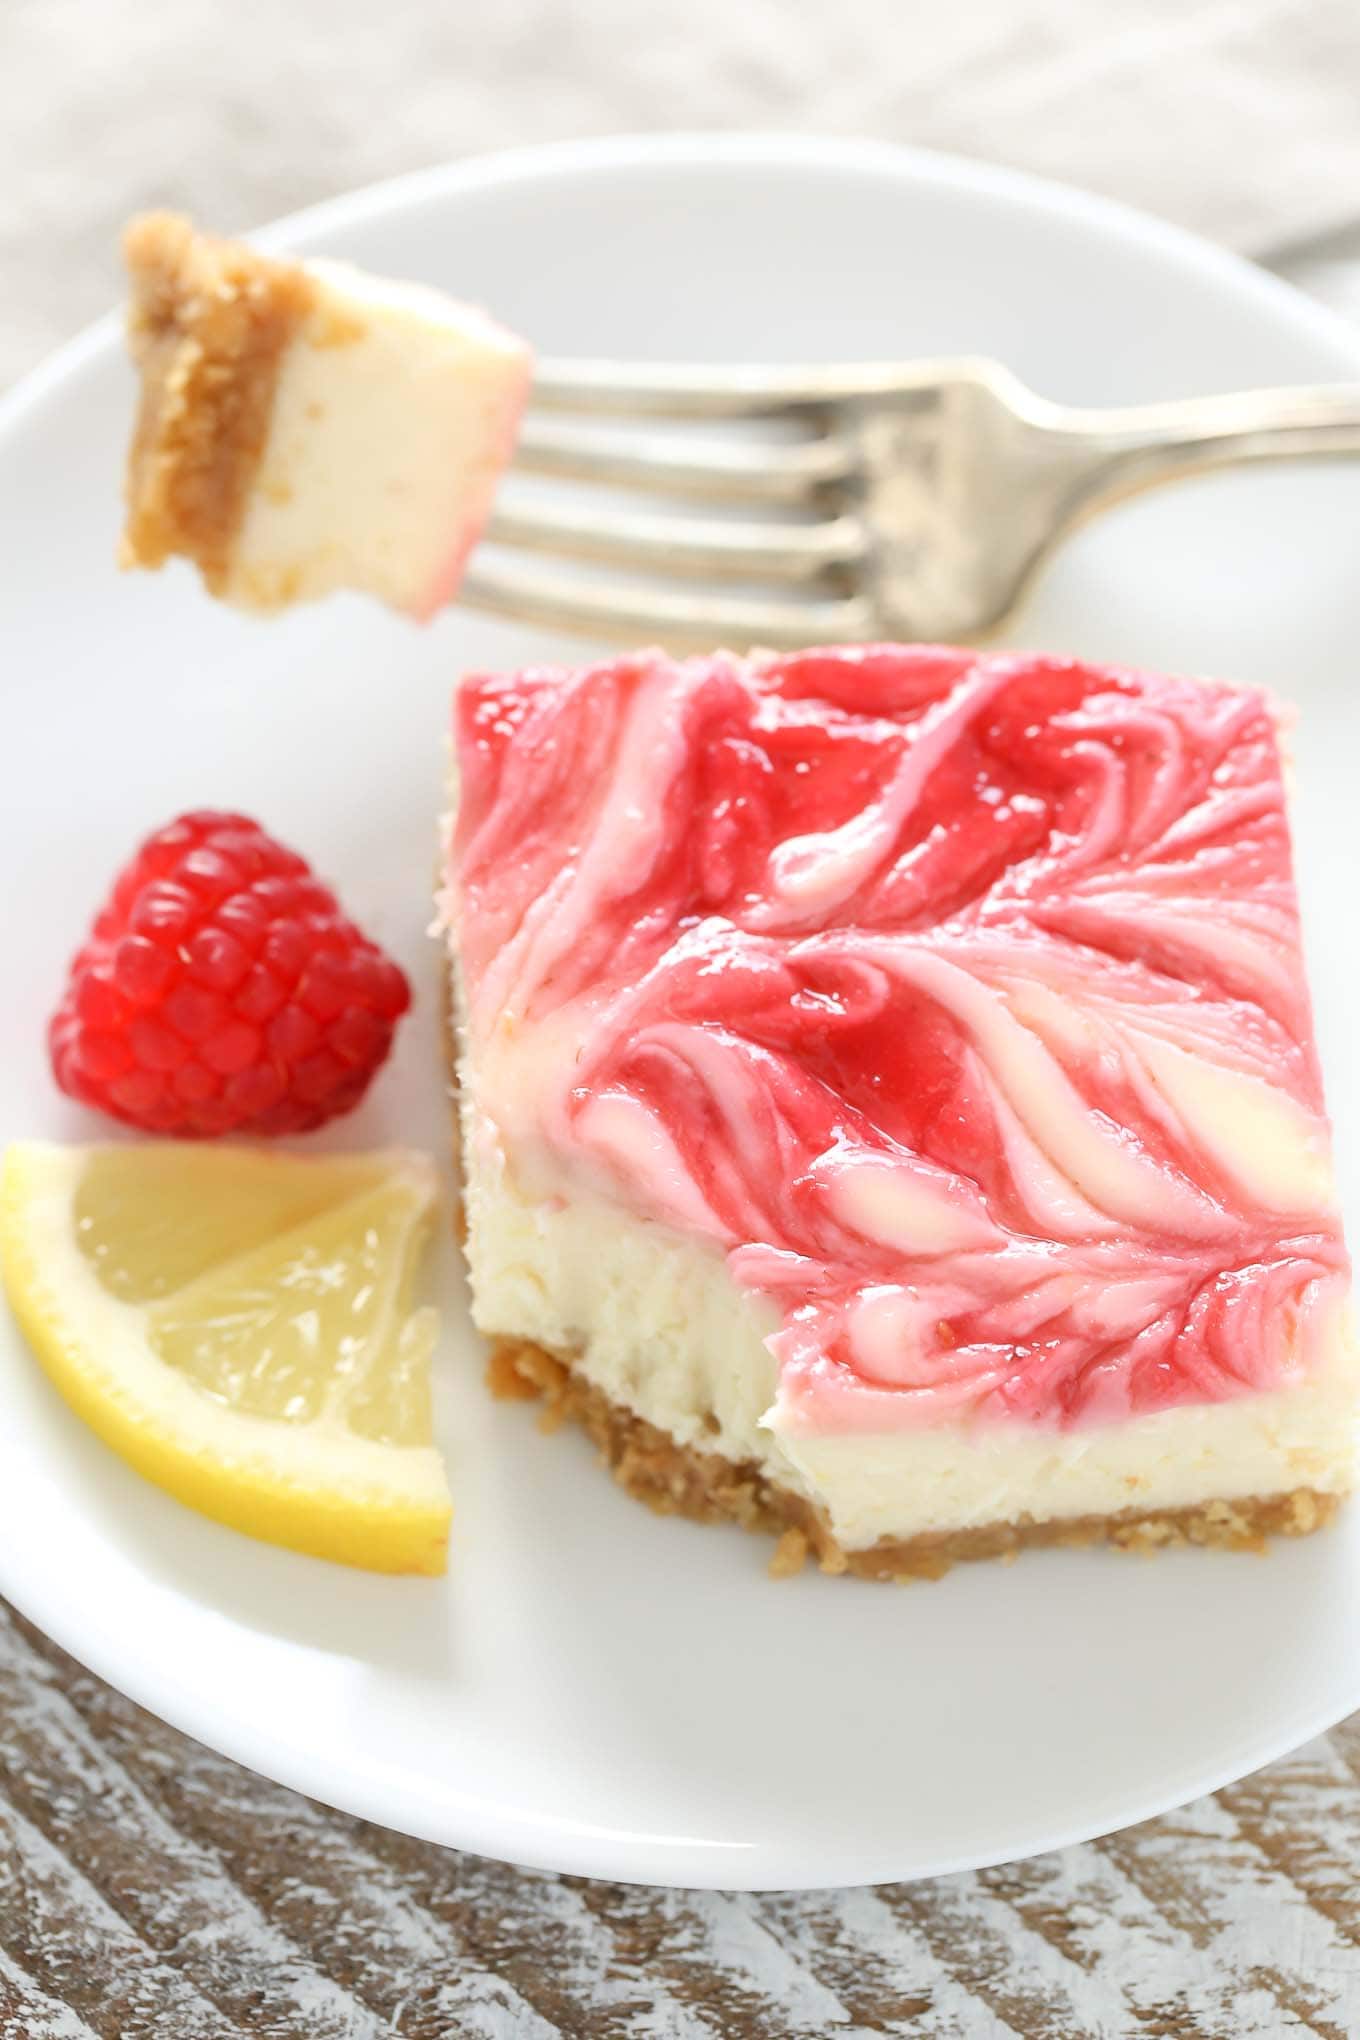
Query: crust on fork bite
{"points": [[208, 324]]}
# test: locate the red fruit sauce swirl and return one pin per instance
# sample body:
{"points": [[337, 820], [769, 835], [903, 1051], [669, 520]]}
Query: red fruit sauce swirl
{"points": [[958, 1000]]}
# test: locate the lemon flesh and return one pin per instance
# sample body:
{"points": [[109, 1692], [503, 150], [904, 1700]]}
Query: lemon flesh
{"points": [[239, 1326]]}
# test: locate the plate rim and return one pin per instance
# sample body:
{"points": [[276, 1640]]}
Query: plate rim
{"points": [[375, 1791], [527, 162]]}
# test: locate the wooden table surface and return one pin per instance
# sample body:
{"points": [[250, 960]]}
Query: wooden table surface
{"points": [[150, 1890]]}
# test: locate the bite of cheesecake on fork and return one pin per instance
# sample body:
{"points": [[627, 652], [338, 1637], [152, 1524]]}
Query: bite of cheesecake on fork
{"points": [[306, 427]]}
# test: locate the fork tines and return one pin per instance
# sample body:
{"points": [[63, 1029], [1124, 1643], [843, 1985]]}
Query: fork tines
{"points": [[808, 558]]}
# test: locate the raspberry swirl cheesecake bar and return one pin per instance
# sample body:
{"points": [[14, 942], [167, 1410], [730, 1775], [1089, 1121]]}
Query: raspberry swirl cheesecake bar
{"points": [[890, 1111]]}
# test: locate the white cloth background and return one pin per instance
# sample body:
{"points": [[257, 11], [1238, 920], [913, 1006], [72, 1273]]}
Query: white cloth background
{"points": [[1238, 117]]}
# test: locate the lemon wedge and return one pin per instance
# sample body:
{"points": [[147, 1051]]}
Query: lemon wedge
{"points": [[239, 1327]]}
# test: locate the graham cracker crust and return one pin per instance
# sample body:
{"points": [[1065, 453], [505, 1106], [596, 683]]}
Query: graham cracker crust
{"points": [[208, 323], [680, 1480]]}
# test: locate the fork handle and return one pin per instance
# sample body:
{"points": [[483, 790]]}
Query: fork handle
{"points": [[1133, 448]]}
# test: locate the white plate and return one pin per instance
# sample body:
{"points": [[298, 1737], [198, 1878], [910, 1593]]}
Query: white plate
{"points": [[593, 1689]]}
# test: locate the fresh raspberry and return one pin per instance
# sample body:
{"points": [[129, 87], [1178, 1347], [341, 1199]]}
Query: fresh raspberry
{"points": [[222, 990]]}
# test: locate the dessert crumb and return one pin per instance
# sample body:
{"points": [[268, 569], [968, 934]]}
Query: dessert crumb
{"points": [[790, 1555]]}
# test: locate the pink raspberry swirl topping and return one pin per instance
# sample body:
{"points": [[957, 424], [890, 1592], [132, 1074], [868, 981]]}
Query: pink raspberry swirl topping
{"points": [[958, 1001]]}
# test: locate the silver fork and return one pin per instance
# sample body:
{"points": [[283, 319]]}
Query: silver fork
{"points": [[907, 501]]}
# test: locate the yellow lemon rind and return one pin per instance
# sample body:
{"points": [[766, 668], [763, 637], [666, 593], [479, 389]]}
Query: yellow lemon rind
{"points": [[250, 1488]]}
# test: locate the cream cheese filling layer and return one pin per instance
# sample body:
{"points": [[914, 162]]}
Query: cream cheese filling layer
{"points": [[655, 1321], [394, 413]]}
